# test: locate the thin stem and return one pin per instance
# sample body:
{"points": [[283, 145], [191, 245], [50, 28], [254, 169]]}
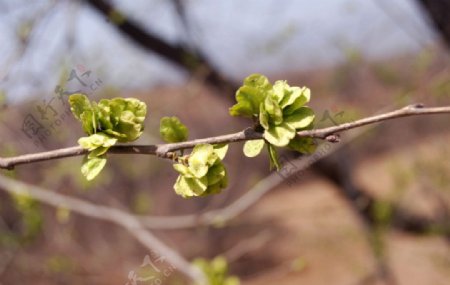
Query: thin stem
{"points": [[167, 150], [411, 110]]}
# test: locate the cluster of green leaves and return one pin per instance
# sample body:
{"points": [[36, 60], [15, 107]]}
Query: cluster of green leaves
{"points": [[216, 271], [172, 130], [202, 172], [107, 122], [279, 110]]}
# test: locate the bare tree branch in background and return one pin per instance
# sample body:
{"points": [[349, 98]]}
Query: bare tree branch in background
{"points": [[180, 8], [104, 213], [177, 54], [439, 13]]}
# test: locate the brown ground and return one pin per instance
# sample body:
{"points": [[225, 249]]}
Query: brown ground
{"points": [[317, 229]]}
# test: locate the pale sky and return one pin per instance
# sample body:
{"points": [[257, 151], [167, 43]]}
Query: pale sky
{"points": [[239, 36]]}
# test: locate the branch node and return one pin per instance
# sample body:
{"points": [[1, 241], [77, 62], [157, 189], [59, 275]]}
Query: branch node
{"points": [[162, 152], [252, 133], [171, 155], [333, 138], [5, 164], [417, 106]]}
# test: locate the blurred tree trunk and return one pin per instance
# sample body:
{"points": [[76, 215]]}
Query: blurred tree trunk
{"points": [[439, 13], [192, 61]]}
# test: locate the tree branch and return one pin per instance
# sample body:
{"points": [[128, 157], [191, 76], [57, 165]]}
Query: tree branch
{"points": [[167, 150], [123, 219], [411, 110], [253, 195], [177, 54], [439, 12]]}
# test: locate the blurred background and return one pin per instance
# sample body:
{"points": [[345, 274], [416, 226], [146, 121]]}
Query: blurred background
{"points": [[373, 209]]}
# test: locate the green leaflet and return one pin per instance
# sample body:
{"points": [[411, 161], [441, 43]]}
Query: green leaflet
{"points": [[253, 148], [291, 96], [92, 166], [98, 152], [273, 110], [250, 96], [300, 118], [279, 135], [202, 172], [221, 150], [263, 117], [108, 122], [202, 154], [216, 271], [172, 130], [79, 103], [273, 155], [303, 145], [189, 187], [216, 173], [96, 140], [304, 95], [183, 170], [88, 121]]}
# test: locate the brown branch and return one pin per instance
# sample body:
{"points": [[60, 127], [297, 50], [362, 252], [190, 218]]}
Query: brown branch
{"points": [[166, 150], [411, 110], [161, 150], [177, 54]]}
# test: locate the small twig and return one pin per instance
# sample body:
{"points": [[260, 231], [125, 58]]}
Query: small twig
{"points": [[160, 150], [100, 212], [240, 205], [218, 216], [252, 244], [10, 162], [411, 110], [166, 150]]}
